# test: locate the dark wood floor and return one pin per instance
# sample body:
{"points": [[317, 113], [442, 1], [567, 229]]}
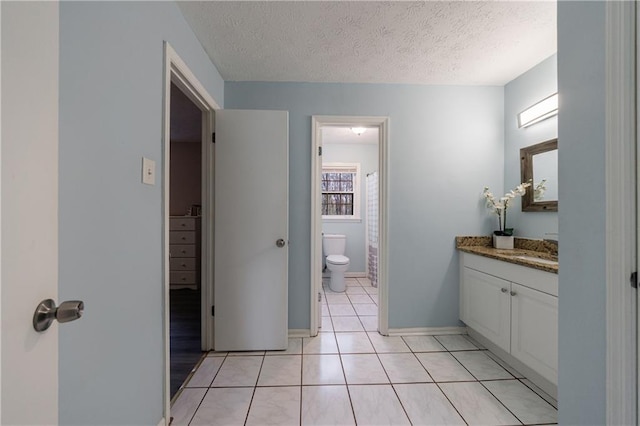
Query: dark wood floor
{"points": [[185, 335]]}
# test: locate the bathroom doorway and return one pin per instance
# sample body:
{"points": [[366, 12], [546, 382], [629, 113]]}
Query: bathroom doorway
{"points": [[349, 190]]}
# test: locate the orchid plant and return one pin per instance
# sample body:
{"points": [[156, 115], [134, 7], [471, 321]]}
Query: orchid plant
{"points": [[539, 189], [500, 206]]}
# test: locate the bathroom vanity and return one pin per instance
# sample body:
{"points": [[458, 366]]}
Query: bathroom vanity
{"points": [[509, 302]]}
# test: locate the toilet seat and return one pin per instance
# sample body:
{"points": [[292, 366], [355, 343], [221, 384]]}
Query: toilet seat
{"points": [[337, 259]]}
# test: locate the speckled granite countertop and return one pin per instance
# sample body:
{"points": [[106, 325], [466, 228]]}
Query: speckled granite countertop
{"points": [[482, 246]]}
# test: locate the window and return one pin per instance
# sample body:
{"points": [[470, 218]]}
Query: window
{"points": [[341, 191]]}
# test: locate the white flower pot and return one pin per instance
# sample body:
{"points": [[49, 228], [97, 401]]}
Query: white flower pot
{"points": [[502, 242]]}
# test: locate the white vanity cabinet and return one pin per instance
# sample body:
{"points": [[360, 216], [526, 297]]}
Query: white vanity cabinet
{"points": [[515, 308]]}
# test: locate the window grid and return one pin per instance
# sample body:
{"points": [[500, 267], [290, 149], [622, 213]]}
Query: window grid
{"points": [[338, 193]]}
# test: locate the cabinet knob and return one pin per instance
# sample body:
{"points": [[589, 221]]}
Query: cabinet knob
{"points": [[513, 293], [504, 290]]}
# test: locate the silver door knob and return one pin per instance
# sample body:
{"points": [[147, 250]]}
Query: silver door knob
{"points": [[46, 312], [280, 243]]}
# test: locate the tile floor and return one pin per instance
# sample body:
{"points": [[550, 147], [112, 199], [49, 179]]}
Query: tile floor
{"points": [[349, 374]]}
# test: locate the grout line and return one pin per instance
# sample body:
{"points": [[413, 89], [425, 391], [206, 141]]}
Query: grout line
{"points": [[537, 393], [254, 390]]}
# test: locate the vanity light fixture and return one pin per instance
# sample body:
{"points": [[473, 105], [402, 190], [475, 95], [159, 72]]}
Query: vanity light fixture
{"points": [[548, 107], [358, 130]]}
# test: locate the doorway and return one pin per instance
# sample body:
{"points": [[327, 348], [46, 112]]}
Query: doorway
{"points": [[349, 201], [188, 225], [185, 237]]}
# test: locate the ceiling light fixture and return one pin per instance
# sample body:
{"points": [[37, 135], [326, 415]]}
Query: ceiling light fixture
{"points": [[548, 107], [358, 130]]}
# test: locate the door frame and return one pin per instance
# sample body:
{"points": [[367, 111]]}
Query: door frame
{"points": [[317, 123], [621, 194], [177, 72]]}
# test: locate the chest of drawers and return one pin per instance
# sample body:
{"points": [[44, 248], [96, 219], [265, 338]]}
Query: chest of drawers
{"points": [[184, 246]]}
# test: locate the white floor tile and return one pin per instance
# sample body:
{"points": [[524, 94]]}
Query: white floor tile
{"points": [[347, 324], [341, 310], [364, 281], [363, 369], [326, 405], [354, 343], [283, 370], [275, 406], [356, 290], [246, 353], [426, 405], [443, 367], [506, 366], [322, 370], [223, 406], [360, 298], [374, 297], [423, 344], [327, 325], [371, 290], [325, 310], [474, 341], [294, 348], [238, 371], [369, 323], [323, 343], [214, 353], [524, 403], [481, 366], [352, 282], [366, 309], [186, 405], [335, 298], [456, 342], [404, 368], [477, 405], [205, 373], [384, 344], [377, 405], [551, 400]]}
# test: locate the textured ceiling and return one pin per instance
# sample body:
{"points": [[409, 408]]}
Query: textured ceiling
{"points": [[459, 42]]}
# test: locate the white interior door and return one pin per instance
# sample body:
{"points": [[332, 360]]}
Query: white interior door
{"points": [[29, 213], [251, 217]]}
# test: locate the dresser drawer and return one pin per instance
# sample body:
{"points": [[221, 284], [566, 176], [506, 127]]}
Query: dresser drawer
{"points": [[182, 277], [182, 264], [182, 237], [182, 250], [182, 223]]}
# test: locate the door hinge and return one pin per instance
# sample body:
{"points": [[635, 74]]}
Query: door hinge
{"points": [[213, 311], [320, 150], [634, 280], [213, 137], [319, 297]]}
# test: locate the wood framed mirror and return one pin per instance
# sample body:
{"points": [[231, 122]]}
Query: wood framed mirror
{"points": [[539, 165]]}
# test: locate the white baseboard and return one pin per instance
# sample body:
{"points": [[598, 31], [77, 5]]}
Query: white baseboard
{"points": [[299, 332], [426, 331], [162, 422], [347, 274]]}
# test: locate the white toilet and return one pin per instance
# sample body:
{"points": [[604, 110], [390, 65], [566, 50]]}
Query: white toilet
{"points": [[334, 246]]}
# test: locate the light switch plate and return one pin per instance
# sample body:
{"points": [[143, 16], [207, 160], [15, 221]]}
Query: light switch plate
{"points": [[148, 171]]}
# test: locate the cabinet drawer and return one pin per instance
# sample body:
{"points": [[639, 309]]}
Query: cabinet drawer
{"points": [[182, 277], [182, 237], [182, 250], [182, 264], [182, 224]]}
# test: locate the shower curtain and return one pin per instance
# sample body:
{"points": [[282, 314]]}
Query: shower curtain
{"points": [[372, 227]]}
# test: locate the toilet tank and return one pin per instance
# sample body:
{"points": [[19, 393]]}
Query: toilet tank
{"points": [[334, 244]]}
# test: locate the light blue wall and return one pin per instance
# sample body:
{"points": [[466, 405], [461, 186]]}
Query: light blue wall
{"points": [[529, 88], [582, 289], [111, 106], [446, 143], [367, 156]]}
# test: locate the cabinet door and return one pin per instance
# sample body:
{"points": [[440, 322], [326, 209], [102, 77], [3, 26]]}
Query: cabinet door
{"points": [[485, 306], [534, 330]]}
